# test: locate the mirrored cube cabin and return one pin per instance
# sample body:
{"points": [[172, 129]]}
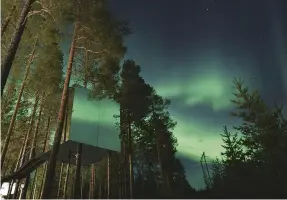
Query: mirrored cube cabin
{"points": [[91, 123]]}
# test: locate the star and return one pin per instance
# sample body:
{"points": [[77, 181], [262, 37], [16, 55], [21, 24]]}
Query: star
{"points": [[207, 9]]}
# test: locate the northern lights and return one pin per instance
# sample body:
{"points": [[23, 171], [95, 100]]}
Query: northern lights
{"points": [[190, 51], [93, 122]]}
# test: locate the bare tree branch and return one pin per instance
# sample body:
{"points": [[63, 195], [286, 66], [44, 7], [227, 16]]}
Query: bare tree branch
{"points": [[47, 11], [80, 38], [40, 12], [88, 40], [95, 52]]}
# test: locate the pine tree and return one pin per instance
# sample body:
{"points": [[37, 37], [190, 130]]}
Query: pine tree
{"points": [[233, 153], [134, 104], [264, 136], [256, 157]]}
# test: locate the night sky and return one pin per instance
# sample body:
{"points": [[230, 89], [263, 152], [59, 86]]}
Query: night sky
{"points": [[190, 50]]}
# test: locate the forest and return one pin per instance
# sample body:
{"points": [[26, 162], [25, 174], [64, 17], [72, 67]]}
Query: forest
{"points": [[35, 85]]}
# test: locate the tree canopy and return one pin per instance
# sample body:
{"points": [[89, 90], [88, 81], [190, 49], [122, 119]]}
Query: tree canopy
{"points": [[35, 94]]}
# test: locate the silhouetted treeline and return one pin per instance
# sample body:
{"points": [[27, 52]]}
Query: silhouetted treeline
{"points": [[254, 163]]}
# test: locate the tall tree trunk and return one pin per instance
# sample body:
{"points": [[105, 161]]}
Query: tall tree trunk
{"points": [[86, 69], [20, 193], [10, 188], [29, 131], [108, 175], [25, 188], [124, 167], [105, 188], [160, 162], [14, 43], [100, 190], [126, 170], [92, 184], [131, 175], [44, 149], [33, 151], [33, 186], [66, 178], [157, 136], [46, 135], [7, 20], [60, 181], [77, 185], [42, 182], [65, 123], [50, 173], [82, 182], [6, 167], [124, 151], [168, 181], [18, 164], [13, 119], [119, 183]]}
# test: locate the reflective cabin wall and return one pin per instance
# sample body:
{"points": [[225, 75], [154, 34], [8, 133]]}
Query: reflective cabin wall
{"points": [[92, 122]]}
